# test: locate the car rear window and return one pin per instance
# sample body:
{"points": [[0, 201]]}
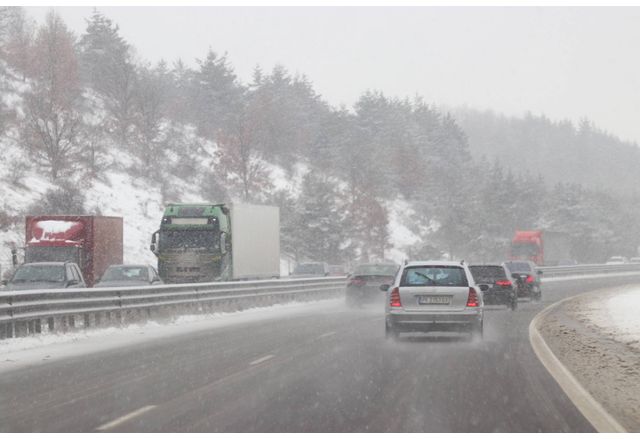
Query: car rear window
{"points": [[375, 270], [518, 267], [434, 275], [487, 272]]}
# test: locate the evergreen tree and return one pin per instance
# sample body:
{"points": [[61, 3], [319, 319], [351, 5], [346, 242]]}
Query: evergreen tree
{"points": [[106, 65]]}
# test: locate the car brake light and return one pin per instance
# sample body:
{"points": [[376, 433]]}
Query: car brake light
{"points": [[503, 283], [529, 279], [472, 301], [357, 282], [395, 298]]}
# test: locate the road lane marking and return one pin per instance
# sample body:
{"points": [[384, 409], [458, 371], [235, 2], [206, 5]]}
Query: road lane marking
{"points": [[327, 334], [591, 409], [261, 360], [125, 418]]}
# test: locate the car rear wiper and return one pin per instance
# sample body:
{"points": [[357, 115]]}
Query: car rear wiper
{"points": [[426, 277]]}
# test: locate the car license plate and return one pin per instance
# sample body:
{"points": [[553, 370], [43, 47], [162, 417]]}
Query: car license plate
{"points": [[434, 300]]}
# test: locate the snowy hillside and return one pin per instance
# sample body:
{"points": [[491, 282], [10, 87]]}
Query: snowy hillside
{"points": [[137, 199]]}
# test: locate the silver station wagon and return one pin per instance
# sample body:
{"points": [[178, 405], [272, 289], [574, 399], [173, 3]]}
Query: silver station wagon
{"points": [[433, 296]]}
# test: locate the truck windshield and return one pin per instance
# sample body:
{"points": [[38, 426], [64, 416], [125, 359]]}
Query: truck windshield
{"points": [[53, 254], [524, 249], [39, 273], [192, 239]]}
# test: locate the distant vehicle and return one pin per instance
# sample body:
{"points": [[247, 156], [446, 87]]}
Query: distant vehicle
{"points": [[527, 276], [542, 247], [433, 296], [363, 285], [614, 260], [216, 242], [129, 276], [46, 276], [635, 260], [92, 242], [497, 284], [311, 269], [337, 270]]}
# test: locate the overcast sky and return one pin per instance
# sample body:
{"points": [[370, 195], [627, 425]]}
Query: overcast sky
{"points": [[561, 61]]}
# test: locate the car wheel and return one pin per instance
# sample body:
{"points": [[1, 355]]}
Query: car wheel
{"points": [[391, 333], [477, 333]]}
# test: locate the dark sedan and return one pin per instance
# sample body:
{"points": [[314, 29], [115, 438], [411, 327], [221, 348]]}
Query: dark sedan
{"points": [[528, 278], [497, 284], [363, 286], [129, 276]]}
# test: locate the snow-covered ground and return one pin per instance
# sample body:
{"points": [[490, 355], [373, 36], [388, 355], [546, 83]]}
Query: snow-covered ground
{"points": [[619, 316], [19, 352], [587, 276]]}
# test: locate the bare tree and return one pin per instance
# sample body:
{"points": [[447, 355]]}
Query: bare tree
{"points": [[52, 121], [16, 38], [242, 161]]}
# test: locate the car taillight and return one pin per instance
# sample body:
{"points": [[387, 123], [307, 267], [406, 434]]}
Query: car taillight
{"points": [[395, 298], [529, 279], [472, 300], [357, 282], [503, 283]]}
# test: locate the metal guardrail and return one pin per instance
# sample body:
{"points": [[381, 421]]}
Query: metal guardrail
{"points": [[576, 270], [35, 311]]}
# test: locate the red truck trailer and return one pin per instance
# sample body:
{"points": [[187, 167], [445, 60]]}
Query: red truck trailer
{"points": [[540, 246], [93, 242]]}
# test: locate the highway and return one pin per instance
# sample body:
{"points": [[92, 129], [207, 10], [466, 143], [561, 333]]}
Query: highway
{"points": [[321, 372]]}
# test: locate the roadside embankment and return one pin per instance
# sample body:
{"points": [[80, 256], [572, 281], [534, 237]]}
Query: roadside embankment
{"points": [[596, 337]]}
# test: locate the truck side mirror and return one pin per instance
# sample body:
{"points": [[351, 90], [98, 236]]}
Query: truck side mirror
{"points": [[154, 240]]}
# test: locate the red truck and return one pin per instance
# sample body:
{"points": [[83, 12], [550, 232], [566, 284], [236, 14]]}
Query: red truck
{"points": [[540, 246], [92, 242]]}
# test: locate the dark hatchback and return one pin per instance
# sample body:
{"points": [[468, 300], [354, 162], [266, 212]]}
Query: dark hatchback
{"points": [[46, 276], [527, 276], [497, 284], [363, 286]]}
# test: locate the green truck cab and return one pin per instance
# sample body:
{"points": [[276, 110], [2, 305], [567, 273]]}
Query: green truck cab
{"points": [[216, 242]]}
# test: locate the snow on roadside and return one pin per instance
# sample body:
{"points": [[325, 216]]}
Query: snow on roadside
{"points": [[19, 352], [619, 316]]}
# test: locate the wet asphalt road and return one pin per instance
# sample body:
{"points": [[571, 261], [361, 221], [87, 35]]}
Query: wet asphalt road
{"points": [[325, 372]]}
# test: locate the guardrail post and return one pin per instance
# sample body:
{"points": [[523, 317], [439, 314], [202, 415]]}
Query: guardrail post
{"points": [[21, 329]]}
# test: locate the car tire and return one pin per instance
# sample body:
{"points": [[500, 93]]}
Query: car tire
{"points": [[390, 333], [477, 333]]}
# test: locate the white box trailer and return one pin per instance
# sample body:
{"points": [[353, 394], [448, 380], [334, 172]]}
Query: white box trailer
{"points": [[255, 241]]}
